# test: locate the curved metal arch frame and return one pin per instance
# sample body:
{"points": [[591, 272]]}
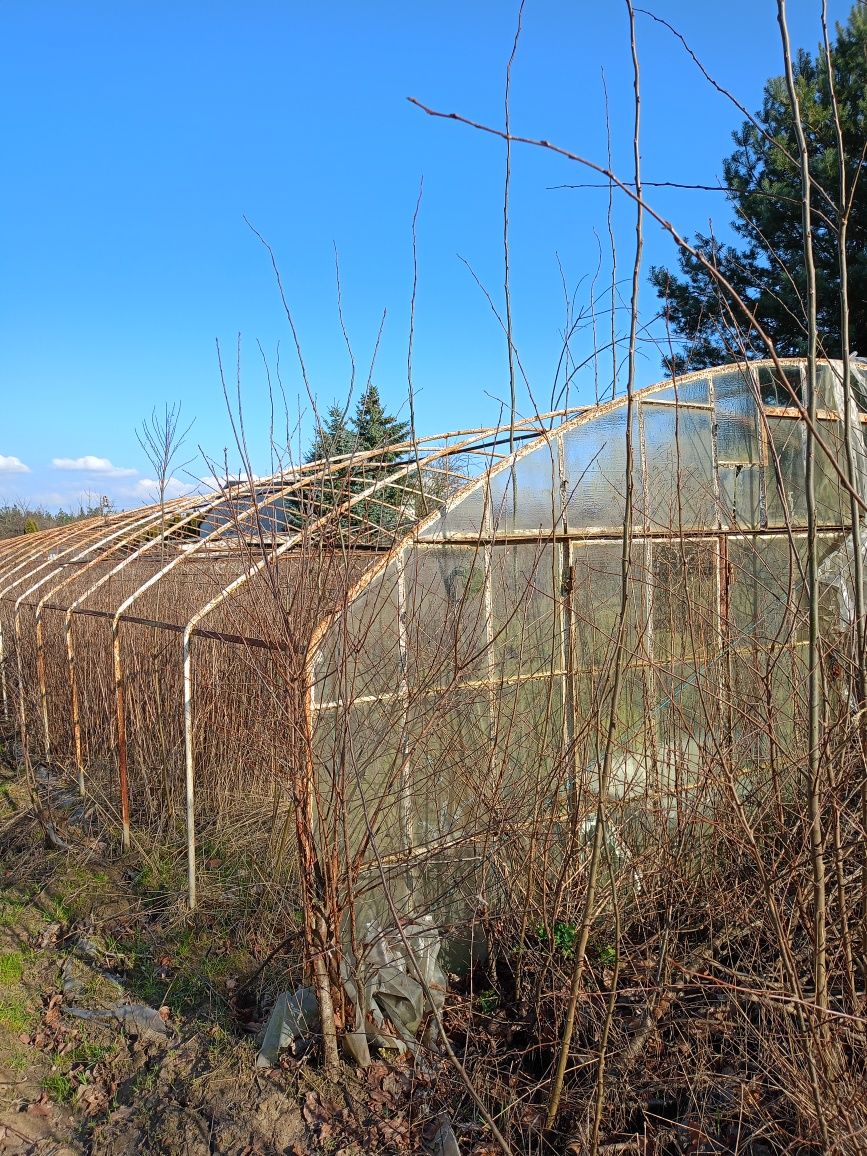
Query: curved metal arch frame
{"points": [[27, 552], [585, 416], [55, 562], [397, 555], [479, 441], [129, 535], [189, 753], [63, 560]]}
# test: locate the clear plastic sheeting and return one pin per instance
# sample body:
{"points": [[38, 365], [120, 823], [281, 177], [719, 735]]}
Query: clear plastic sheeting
{"points": [[392, 986], [514, 608], [594, 458], [417, 643], [837, 573]]}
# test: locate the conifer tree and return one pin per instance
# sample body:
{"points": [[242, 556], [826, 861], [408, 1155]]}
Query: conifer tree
{"points": [[766, 263], [333, 437], [373, 427]]}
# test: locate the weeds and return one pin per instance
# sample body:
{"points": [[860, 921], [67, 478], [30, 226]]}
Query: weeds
{"points": [[10, 911], [88, 1053], [59, 910], [563, 937], [11, 966], [488, 1001], [607, 955], [60, 1086], [147, 1080], [14, 1013]]}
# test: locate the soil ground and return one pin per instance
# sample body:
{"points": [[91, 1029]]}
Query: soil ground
{"points": [[84, 931], [128, 1025]]}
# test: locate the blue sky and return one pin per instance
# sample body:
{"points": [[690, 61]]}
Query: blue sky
{"points": [[138, 136]]}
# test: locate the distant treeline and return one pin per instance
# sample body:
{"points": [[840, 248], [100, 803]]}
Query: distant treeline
{"points": [[21, 519]]}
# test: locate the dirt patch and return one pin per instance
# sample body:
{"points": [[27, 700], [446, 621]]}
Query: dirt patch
{"points": [[129, 1028], [88, 950], [201, 1114]]}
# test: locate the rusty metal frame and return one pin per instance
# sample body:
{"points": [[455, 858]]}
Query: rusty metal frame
{"points": [[57, 561], [189, 754], [421, 535], [19, 549], [122, 537], [484, 451]]}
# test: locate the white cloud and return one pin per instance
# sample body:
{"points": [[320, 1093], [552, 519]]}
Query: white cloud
{"points": [[209, 482], [9, 464], [93, 465], [149, 488]]}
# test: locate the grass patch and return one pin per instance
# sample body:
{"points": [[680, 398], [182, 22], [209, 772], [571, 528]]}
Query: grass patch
{"points": [[72, 1069], [10, 912], [58, 911], [60, 1087], [147, 1080], [6, 800], [79, 889], [11, 967], [14, 1013], [160, 874], [184, 969], [221, 1045], [187, 992], [88, 1053]]}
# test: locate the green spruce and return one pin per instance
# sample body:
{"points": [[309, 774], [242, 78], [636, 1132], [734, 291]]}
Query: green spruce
{"points": [[766, 264]]}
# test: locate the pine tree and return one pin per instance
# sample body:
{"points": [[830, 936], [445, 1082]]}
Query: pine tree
{"points": [[333, 437], [766, 266], [374, 427], [370, 428]]}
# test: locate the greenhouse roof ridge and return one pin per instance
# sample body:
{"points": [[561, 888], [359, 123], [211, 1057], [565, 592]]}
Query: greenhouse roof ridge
{"points": [[372, 499], [678, 385]]}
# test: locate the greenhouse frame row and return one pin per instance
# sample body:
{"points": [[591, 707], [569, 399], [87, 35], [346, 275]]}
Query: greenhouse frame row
{"points": [[457, 641]]}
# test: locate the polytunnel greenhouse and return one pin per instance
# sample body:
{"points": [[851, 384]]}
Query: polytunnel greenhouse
{"points": [[434, 653]]}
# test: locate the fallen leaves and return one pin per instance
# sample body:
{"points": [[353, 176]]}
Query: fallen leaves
{"points": [[377, 1119], [40, 1107]]}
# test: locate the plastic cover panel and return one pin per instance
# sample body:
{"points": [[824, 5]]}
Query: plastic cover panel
{"points": [[463, 519], [449, 736], [695, 392], [595, 465], [360, 654], [832, 500], [777, 389], [740, 490], [361, 753], [678, 455], [684, 581], [446, 623], [595, 600], [732, 385], [785, 472], [523, 581], [765, 586], [737, 429], [527, 495]]}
